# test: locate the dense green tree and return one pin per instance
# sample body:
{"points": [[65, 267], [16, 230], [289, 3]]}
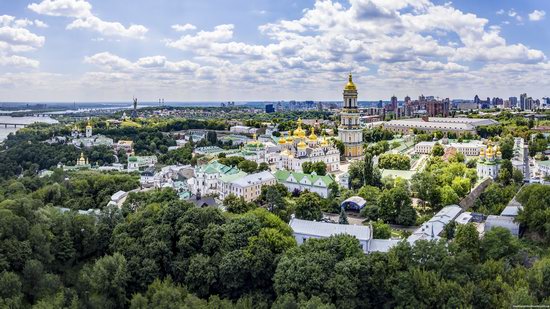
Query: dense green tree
{"points": [[426, 187], [438, 150], [381, 230], [308, 206], [343, 218], [10, 290], [507, 147], [394, 161], [276, 202], [499, 243], [535, 216], [248, 166], [107, 280], [461, 186], [368, 170], [237, 205], [319, 168], [263, 167], [467, 239], [449, 196]]}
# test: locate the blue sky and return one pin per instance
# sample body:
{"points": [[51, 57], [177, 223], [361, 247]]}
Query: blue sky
{"points": [[90, 50]]}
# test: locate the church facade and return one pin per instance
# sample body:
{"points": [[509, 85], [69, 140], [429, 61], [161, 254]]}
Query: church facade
{"points": [[298, 148]]}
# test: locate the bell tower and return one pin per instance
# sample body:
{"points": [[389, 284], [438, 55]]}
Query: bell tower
{"points": [[349, 131]]}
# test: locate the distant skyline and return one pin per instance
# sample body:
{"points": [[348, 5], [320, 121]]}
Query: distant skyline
{"points": [[243, 50]]}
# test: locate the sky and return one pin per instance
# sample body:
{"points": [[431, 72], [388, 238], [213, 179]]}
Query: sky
{"points": [[254, 50]]}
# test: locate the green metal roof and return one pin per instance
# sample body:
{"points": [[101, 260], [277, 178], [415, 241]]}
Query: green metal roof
{"points": [[231, 177], [216, 167], [283, 176]]}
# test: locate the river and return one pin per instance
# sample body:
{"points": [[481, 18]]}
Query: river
{"points": [[4, 132]]}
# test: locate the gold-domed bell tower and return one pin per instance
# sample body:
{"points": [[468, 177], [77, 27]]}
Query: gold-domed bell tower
{"points": [[349, 131]]}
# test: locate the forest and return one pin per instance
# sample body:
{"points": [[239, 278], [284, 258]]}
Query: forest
{"points": [[160, 252]]}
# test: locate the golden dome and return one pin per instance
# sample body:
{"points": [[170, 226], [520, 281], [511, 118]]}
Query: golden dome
{"points": [[490, 151], [289, 137], [299, 132], [350, 85], [89, 124], [324, 143], [302, 144], [312, 136], [282, 140]]}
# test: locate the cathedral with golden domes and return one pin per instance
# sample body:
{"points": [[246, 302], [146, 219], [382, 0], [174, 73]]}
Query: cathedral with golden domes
{"points": [[349, 131], [489, 162], [297, 147]]}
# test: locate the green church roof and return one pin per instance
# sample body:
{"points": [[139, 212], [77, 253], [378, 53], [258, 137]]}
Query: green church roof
{"points": [[282, 175]]}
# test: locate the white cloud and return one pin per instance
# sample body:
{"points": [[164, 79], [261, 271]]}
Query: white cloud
{"points": [[16, 38], [109, 61], [20, 37], [157, 64], [108, 28], [183, 27], [84, 19], [40, 24], [204, 39], [537, 15], [67, 8], [500, 12], [18, 61], [401, 47]]}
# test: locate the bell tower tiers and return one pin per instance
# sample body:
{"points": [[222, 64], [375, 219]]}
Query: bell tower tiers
{"points": [[349, 131]]}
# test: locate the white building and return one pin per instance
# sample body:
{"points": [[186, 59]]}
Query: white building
{"points": [[472, 148], [126, 145], [520, 160], [243, 130], [432, 124], [206, 178], [302, 182], [137, 162], [90, 140], [247, 186], [506, 222], [304, 230], [118, 198], [430, 230], [543, 168]]}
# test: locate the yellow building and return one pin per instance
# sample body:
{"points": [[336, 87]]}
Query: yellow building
{"points": [[349, 131]]}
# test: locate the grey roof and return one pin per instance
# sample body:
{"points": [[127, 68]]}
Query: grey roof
{"points": [[323, 229], [355, 199], [431, 229], [118, 195], [382, 245], [464, 218], [512, 209], [254, 179], [473, 121], [502, 221], [419, 123]]}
